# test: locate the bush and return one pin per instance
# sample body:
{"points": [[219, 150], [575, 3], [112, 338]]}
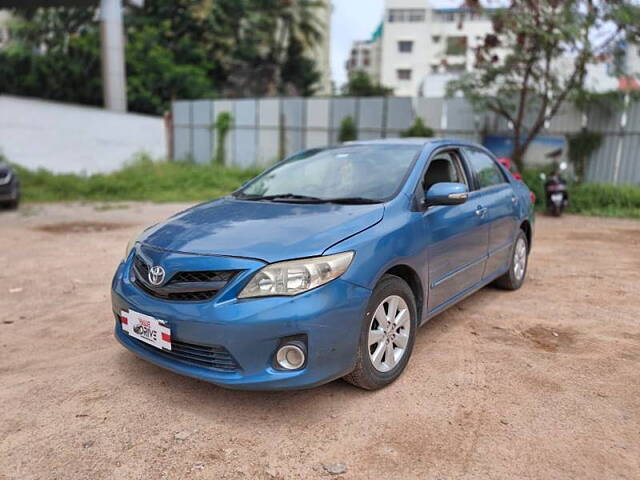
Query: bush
{"points": [[418, 129], [143, 179], [348, 131], [581, 147], [599, 199], [605, 200], [222, 126]]}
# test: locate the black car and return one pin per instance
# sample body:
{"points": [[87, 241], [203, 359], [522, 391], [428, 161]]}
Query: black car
{"points": [[9, 187]]}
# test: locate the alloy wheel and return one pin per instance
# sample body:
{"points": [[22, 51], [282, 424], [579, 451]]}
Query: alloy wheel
{"points": [[520, 259], [389, 333]]}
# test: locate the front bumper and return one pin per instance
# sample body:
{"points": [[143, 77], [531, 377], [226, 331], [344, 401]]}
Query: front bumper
{"points": [[251, 330], [9, 191]]}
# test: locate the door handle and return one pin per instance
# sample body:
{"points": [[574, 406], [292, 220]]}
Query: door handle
{"points": [[481, 211]]}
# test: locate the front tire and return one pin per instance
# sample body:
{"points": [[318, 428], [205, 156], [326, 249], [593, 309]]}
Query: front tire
{"points": [[387, 335], [514, 278]]}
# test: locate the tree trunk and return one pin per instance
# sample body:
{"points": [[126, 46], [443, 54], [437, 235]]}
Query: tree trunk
{"points": [[517, 157]]}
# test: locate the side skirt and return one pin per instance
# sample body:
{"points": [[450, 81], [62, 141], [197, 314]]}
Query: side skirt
{"points": [[462, 295]]}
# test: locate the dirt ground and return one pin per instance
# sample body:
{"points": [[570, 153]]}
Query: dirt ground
{"points": [[540, 383]]}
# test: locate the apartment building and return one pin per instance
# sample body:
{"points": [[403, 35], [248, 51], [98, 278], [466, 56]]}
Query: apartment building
{"points": [[418, 49], [366, 55]]}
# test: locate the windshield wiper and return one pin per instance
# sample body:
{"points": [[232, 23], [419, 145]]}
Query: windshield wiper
{"points": [[281, 197], [352, 200], [296, 198]]}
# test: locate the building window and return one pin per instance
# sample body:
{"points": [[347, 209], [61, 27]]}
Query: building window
{"points": [[404, 74], [412, 15], [448, 17], [435, 69], [455, 68], [435, 39], [456, 46], [405, 46], [366, 62]]}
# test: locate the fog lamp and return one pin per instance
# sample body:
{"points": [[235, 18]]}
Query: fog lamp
{"points": [[291, 356]]}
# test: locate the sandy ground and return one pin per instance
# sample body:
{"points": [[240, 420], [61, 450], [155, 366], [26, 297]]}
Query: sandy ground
{"points": [[541, 383]]}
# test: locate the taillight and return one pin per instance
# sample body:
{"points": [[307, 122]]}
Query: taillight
{"points": [[533, 197]]}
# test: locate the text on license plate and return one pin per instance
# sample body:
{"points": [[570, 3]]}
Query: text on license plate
{"points": [[146, 329]]}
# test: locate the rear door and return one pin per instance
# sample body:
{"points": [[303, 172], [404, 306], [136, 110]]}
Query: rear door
{"points": [[495, 195], [457, 236]]}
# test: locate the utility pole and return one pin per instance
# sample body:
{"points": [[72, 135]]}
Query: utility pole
{"points": [[114, 82]]}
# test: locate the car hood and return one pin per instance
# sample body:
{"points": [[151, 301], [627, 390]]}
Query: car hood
{"points": [[264, 230]]}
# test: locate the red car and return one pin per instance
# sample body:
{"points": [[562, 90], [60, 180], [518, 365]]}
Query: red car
{"points": [[509, 165]]}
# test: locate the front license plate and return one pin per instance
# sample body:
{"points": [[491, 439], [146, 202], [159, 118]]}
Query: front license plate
{"points": [[146, 329]]}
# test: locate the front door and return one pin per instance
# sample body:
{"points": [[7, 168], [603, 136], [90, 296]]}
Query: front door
{"points": [[457, 235]]}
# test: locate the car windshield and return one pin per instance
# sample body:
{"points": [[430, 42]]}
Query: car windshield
{"points": [[358, 172]]}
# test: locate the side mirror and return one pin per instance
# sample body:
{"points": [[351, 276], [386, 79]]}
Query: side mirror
{"points": [[446, 194]]}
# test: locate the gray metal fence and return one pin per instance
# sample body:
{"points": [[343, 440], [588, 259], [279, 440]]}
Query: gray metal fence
{"points": [[265, 129]]}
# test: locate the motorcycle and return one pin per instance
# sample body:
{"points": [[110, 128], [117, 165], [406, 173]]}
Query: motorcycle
{"points": [[556, 193]]}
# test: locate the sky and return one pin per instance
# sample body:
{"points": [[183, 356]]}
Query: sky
{"points": [[357, 20]]}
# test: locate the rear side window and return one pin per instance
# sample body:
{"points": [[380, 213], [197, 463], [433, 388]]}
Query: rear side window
{"points": [[485, 168]]}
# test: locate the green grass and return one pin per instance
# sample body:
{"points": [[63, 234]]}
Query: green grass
{"points": [[596, 199], [145, 180], [142, 179]]}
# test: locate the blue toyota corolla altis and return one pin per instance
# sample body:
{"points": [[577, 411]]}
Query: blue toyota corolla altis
{"points": [[324, 266]]}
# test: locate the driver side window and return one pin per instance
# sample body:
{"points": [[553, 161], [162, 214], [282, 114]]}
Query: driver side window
{"points": [[444, 167]]}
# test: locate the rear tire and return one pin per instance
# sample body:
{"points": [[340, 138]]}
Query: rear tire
{"points": [[387, 335], [514, 278]]}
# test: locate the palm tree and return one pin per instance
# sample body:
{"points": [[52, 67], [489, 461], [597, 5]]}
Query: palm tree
{"points": [[264, 38], [299, 22]]}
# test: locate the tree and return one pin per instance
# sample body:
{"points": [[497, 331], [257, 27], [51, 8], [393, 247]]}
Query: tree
{"points": [[272, 46], [361, 85], [175, 49], [537, 57], [54, 54]]}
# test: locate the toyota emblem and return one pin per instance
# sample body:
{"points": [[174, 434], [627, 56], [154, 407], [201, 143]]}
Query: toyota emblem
{"points": [[156, 275]]}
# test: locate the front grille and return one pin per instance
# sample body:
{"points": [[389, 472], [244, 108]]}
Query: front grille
{"points": [[141, 267], [215, 357], [195, 286], [209, 276]]}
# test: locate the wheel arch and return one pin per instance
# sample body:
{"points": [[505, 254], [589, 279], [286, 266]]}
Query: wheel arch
{"points": [[409, 275], [525, 226]]}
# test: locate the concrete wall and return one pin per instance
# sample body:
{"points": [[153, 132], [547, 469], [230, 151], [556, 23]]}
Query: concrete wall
{"points": [[70, 138]]}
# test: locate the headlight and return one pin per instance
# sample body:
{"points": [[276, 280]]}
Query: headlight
{"points": [[296, 276], [130, 244], [6, 179], [133, 240]]}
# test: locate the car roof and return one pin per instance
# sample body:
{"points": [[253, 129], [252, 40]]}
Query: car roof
{"points": [[420, 141]]}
